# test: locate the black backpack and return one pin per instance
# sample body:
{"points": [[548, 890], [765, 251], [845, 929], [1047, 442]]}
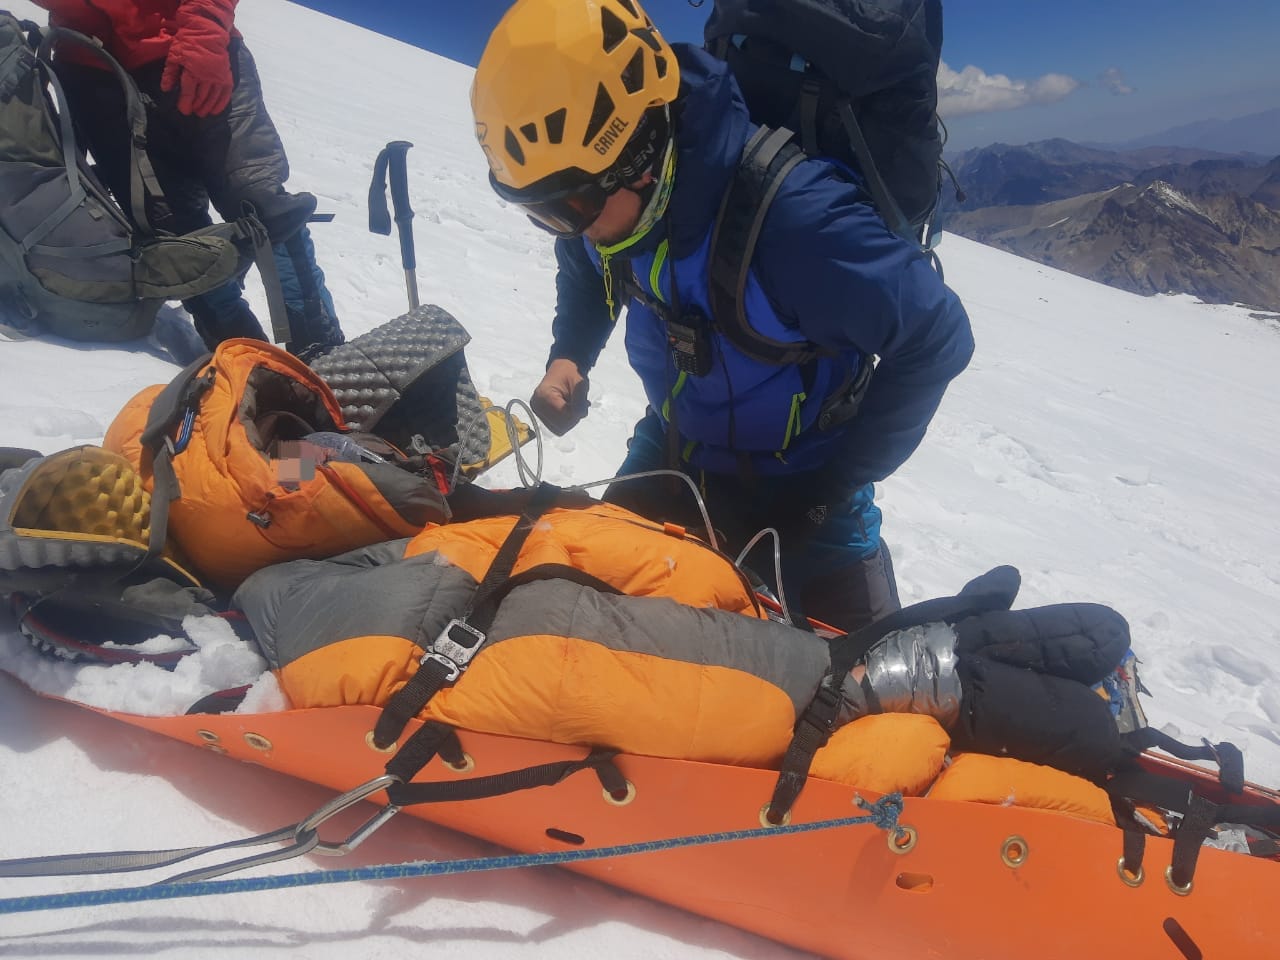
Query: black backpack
{"points": [[855, 81], [71, 263]]}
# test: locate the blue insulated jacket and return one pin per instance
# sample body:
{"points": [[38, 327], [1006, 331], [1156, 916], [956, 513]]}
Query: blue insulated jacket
{"points": [[826, 269]]}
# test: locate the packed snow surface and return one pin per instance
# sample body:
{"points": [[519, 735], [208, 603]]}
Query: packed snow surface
{"points": [[1115, 449]]}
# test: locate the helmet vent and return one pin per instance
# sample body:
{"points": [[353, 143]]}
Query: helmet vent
{"points": [[555, 125], [649, 37], [600, 114], [513, 147], [660, 63], [633, 73], [615, 31], [530, 132], [629, 7]]}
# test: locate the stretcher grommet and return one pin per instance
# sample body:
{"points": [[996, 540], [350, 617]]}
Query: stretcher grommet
{"points": [[612, 798], [216, 748], [903, 839], [1130, 879], [1014, 851], [766, 822], [257, 741], [208, 736], [373, 744], [466, 766], [1181, 890]]}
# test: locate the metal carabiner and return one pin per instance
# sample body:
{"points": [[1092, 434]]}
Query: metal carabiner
{"points": [[340, 803]]}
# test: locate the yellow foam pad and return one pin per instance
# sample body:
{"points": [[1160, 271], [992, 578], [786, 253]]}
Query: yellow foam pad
{"points": [[86, 490], [499, 440], [88, 493]]}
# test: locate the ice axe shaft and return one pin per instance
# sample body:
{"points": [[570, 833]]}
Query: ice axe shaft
{"points": [[391, 161]]}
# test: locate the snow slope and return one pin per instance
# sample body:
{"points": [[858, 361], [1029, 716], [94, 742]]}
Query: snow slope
{"points": [[1114, 448]]}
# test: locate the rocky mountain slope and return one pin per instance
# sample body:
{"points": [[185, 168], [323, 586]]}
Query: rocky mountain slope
{"points": [[1158, 220]]}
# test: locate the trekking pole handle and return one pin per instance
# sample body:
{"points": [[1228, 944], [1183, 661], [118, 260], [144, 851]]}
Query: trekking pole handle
{"points": [[399, 177]]}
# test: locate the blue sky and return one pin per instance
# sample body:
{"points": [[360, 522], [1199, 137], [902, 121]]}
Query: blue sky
{"points": [[1085, 70]]}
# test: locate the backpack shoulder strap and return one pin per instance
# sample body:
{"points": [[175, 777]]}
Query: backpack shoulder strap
{"points": [[142, 175], [766, 160], [175, 404]]}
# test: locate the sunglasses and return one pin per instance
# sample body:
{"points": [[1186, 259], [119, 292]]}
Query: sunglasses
{"points": [[566, 203]]}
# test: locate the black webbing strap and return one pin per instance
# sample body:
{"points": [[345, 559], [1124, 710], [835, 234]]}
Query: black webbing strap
{"points": [[1172, 793], [542, 775], [433, 675], [994, 590], [810, 92], [484, 604], [812, 732], [1196, 825], [1226, 755], [1135, 847], [880, 194], [313, 319], [766, 160], [264, 256], [168, 410], [434, 737]]}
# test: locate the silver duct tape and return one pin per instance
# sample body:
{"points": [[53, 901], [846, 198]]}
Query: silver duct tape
{"points": [[909, 671]]}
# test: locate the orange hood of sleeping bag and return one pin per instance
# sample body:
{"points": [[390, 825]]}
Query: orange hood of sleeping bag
{"points": [[619, 634], [247, 499]]}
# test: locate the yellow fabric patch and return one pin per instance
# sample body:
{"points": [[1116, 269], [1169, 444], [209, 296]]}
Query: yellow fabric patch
{"points": [[1001, 780], [884, 752]]}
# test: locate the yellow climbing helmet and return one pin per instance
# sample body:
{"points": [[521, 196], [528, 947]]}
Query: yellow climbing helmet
{"points": [[562, 88]]}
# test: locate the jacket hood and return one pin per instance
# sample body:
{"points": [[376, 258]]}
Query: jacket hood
{"points": [[712, 126]]}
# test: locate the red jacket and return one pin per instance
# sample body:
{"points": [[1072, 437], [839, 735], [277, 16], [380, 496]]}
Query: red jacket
{"points": [[135, 32]]}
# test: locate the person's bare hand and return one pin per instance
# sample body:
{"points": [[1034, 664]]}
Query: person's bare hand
{"points": [[560, 400]]}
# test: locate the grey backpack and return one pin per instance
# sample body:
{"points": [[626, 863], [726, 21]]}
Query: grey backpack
{"points": [[71, 263]]}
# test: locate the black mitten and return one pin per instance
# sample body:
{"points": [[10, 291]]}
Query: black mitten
{"points": [[1041, 718]]}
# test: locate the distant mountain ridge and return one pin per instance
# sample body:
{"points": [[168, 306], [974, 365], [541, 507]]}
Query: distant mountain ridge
{"points": [[1003, 175], [1150, 220], [1257, 133]]}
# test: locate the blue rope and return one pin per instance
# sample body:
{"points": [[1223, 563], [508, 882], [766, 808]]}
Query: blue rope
{"points": [[883, 813]]}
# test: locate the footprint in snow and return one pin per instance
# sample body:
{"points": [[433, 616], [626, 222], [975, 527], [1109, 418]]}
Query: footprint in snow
{"points": [[1241, 666]]}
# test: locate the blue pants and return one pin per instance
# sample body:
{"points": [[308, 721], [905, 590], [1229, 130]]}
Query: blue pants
{"points": [[223, 313]]}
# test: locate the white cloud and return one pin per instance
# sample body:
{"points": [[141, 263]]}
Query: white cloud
{"points": [[972, 90], [1113, 79]]}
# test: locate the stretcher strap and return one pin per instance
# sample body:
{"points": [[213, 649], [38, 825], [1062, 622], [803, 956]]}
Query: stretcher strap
{"points": [[433, 674], [542, 775]]}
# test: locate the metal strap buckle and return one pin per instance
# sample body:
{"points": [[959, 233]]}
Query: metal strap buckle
{"points": [[454, 647]]}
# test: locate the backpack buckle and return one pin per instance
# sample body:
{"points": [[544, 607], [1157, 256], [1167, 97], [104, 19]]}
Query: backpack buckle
{"points": [[843, 407], [454, 648]]}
